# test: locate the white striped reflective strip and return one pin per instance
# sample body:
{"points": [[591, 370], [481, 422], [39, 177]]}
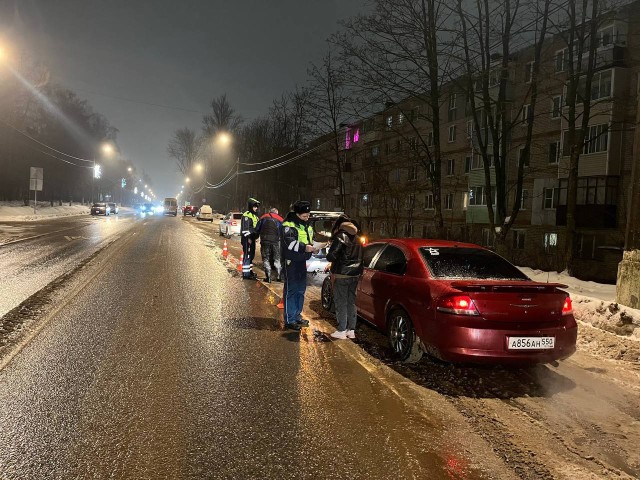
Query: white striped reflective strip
{"points": [[292, 244], [297, 249]]}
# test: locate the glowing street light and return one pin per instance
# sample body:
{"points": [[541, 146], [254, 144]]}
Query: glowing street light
{"points": [[129, 169], [107, 149], [199, 167], [223, 139], [187, 180]]}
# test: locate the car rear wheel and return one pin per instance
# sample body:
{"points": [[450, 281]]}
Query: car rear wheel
{"points": [[327, 295], [402, 336]]}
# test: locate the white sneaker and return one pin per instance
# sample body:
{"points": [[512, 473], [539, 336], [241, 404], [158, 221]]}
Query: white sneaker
{"points": [[351, 334], [339, 335]]}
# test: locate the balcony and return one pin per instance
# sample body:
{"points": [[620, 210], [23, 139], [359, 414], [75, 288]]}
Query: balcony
{"points": [[589, 216]]}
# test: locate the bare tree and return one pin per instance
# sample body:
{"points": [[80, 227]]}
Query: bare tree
{"points": [[579, 31], [223, 118], [490, 32], [328, 100], [185, 149], [397, 56]]}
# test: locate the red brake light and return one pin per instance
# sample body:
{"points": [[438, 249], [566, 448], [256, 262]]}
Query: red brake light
{"points": [[567, 307], [233, 223], [457, 305]]}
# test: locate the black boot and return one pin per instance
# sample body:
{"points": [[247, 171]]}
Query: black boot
{"points": [[267, 279]]}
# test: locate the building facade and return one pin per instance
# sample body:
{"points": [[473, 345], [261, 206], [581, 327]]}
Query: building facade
{"points": [[387, 186]]}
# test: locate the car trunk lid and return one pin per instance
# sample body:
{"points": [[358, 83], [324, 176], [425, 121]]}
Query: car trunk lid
{"points": [[515, 301]]}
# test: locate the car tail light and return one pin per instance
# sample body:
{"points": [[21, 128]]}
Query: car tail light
{"points": [[458, 305], [233, 223], [567, 307]]}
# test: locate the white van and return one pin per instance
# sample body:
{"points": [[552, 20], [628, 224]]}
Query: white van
{"points": [[205, 213], [170, 206]]}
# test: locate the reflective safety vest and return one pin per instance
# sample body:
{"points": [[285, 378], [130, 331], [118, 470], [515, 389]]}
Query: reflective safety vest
{"points": [[304, 236], [252, 216]]}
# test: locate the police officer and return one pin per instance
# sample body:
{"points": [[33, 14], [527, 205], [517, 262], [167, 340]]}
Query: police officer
{"points": [[297, 247], [248, 238]]}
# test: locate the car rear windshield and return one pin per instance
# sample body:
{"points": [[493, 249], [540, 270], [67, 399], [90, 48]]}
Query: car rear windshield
{"points": [[468, 263], [237, 216], [99, 204]]}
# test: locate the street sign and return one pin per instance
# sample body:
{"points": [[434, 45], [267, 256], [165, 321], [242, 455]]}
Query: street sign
{"points": [[36, 178], [123, 183]]}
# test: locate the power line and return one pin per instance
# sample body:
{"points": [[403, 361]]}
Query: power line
{"points": [[43, 144]]}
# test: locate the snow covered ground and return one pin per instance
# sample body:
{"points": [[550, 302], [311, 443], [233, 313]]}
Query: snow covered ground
{"points": [[17, 212], [594, 303]]}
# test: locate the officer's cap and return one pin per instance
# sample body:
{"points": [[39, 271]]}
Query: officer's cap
{"points": [[302, 206]]}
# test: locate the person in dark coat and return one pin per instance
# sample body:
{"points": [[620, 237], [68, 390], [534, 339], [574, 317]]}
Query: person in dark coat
{"points": [[269, 229], [297, 247], [345, 255]]}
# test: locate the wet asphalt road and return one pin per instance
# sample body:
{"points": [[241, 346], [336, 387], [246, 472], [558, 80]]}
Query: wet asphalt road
{"points": [[33, 254], [166, 365]]}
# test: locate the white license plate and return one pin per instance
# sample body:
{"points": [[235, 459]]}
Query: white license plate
{"points": [[530, 343]]}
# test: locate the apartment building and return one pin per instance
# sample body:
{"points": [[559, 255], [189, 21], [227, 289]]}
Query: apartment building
{"points": [[386, 172]]}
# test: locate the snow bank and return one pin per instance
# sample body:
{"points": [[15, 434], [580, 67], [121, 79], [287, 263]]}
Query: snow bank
{"points": [[601, 291], [594, 303], [17, 212]]}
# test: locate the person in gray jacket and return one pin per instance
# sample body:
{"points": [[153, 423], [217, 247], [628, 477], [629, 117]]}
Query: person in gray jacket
{"points": [[345, 255]]}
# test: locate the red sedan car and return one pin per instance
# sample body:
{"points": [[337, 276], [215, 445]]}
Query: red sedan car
{"points": [[461, 303]]}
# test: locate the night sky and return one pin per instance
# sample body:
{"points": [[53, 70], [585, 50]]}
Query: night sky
{"points": [[178, 53]]}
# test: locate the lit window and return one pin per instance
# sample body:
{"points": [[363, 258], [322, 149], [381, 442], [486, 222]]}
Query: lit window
{"points": [[389, 122], [550, 242]]}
